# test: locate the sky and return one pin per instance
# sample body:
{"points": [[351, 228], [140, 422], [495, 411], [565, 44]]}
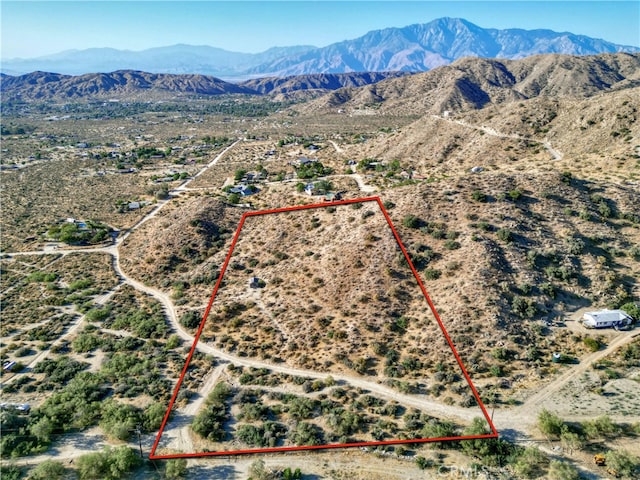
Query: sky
{"points": [[36, 28]]}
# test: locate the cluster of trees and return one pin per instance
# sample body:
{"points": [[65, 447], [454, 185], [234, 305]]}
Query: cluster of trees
{"points": [[16, 129], [146, 322], [109, 464], [574, 436], [254, 108], [209, 423], [263, 435], [136, 374], [392, 168], [78, 405], [40, 276], [216, 141], [72, 233], [307, 434], [313, 170], [60, 370], [147, 152]]}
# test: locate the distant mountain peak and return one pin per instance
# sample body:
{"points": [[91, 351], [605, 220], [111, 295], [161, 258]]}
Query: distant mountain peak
{"points": [[417, 47]]}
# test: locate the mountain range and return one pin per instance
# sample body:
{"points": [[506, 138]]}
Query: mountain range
{"points": [[474, 83], [468, 83], [133, 84], [413, 48]]}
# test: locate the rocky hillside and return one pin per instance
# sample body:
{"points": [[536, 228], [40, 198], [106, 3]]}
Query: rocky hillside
{"points": [[129, 84], [319, 82], [120, 84], [476, 83]]}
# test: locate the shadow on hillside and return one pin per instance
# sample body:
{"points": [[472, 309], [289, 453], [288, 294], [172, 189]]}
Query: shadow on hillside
{"points": [[497, 256], [570, 301]]}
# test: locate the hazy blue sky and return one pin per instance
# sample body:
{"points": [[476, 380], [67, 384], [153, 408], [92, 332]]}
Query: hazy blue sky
{"points": [[34, 28]]}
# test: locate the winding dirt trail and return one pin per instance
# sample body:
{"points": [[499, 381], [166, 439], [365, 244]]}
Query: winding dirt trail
{"points": [[555, 154], [336, 147]]}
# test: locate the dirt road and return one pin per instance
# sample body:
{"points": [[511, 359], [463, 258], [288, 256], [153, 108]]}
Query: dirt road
{"points": [[516, 420], [555, 154]]}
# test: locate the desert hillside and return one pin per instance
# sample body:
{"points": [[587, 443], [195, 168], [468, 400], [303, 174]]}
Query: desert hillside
{"points": [[513, 185], [472, 83]]}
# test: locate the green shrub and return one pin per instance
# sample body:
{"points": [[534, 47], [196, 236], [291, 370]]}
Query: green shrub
{"points": [[623, 463], [307, 434], [505, 235], [42, 277], [209, 423], [559, 470], [585, 215], [119, 420], [175, 468], [515, 194], [97, 314], [411, 221], [478, 196], [566, 177], [548, 289], [265, 435], [451, 245], [592, 344], [632, 309], [550, 424], [11, 472], [601, 427], [524, 307], [432, 274], [109, 464], [190, 319], [575, 246], [529, 463], [490, 451]]}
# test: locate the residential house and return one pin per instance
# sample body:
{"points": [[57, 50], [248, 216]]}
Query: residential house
{"points": [[606, 318], [306, 161]]}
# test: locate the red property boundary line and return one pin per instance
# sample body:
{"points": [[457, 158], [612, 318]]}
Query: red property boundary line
{"points": [[493, 434]]}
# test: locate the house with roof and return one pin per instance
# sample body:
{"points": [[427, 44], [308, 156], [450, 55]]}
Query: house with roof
{"points": [[244, 189], [306, 161], [309, 188], [606, 318]]}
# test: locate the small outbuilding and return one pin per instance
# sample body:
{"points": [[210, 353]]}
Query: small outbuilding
{"points": [[8, 366], [606, 319]]}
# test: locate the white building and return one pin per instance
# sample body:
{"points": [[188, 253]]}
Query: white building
{"points": [[606, 318]]}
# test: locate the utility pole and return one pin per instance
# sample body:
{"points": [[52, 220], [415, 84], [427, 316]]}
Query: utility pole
{"points": [[139, 432]]}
